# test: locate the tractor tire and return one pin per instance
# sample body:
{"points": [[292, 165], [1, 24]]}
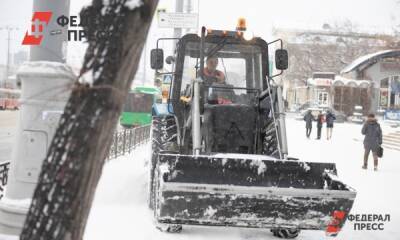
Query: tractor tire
{"points": [[286, 233], [270, 140], [170, 228], [163, 227], [164, 138]]}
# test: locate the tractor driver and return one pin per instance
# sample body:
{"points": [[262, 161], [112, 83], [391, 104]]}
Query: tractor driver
{"points": [[211, 74]]}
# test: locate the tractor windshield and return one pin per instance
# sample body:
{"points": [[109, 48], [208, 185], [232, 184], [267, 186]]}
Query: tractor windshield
{"points": [[234, 70]]}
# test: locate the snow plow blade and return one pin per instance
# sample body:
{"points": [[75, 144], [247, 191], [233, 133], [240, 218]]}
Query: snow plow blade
{"points": [[250, 191]]}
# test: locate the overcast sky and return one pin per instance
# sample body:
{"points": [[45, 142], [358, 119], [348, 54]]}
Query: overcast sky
{"points": [[261, 15]]}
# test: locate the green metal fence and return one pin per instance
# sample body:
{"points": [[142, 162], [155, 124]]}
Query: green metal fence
{"points": [[126, 140]]}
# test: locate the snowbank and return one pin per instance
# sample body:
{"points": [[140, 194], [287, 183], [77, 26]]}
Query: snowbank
{"points": [[16, 205], [48, 68], [8, 237]]}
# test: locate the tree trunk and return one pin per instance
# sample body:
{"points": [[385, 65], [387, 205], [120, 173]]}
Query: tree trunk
{"points": [[116, 33]]}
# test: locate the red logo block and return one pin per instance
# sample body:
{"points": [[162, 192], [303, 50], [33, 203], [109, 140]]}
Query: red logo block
{"points": [[334, 226], [39, 20]]}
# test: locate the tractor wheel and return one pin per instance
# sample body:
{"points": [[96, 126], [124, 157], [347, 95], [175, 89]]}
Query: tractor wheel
{"points": [[286, 233], [164, 138], [164, 227], [170, 228]]}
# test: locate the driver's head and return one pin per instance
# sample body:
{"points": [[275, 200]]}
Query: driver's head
{"points": [[212, 63], [371, 117]]}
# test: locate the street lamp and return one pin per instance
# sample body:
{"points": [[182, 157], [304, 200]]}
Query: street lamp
{"points": [[8, 29]]}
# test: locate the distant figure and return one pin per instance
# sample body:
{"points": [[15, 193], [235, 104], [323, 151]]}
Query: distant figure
{"points": [[330, 118], [308, 118], [320, 122], [286, 103], [372, 141]]}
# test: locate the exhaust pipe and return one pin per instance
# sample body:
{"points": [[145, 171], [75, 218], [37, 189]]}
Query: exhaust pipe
{"points": [[196, 133]]}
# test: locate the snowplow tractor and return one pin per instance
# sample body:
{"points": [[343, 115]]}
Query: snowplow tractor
{"points": [[219, 149]]}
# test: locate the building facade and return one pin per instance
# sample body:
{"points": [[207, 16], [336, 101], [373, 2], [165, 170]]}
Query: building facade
{"points": [[382, 69], [324, 50]]}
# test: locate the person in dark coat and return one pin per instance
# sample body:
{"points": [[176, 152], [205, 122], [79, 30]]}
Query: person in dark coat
{"points": [[308, 118], [330, 118], [372, 140], [320, 121]]}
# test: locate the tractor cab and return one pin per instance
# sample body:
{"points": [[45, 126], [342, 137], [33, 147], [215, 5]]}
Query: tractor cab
{"points": [[232, 73]]}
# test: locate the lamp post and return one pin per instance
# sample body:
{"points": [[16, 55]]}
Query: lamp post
{"points": [[8, 29], [46, 81]]}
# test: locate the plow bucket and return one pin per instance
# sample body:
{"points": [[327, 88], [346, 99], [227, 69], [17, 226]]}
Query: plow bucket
{"points": [[249, 191]]}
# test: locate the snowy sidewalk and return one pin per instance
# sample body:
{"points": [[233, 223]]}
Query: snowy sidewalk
{"points": [[120, 210], [377, 192]]}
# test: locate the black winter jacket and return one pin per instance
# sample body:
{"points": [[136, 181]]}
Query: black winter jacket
{"points": [[373, 135]]}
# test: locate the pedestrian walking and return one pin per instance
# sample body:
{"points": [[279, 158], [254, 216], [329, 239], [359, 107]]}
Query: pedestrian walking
{"points": [[320, 122], [372, 140], [330, 118], [308, 118]]}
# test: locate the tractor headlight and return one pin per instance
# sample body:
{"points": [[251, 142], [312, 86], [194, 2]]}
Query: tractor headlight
{"points": [[248, 35]]}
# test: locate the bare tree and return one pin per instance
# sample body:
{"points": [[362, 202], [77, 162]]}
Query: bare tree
{"points": [[116, 31], [396, 27], [329, 50]]}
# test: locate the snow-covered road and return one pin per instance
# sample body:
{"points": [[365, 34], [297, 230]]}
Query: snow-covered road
{"points": [[120, 211]]}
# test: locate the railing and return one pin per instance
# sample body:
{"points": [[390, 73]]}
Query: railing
{"points": [[4, 167], [124, 141]]}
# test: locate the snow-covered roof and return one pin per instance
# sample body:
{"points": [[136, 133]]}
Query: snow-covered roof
{"points": [[370, 58], [338, 81], [348, 81], [10, 90]]}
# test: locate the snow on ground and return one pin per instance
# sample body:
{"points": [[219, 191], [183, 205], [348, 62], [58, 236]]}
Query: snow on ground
{"points": [[120, 211], [8, 237], [377, 192]]}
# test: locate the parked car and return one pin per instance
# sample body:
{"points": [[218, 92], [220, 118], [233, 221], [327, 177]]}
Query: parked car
{"points": [[357, 115], [304, 106], [340, 116]]}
